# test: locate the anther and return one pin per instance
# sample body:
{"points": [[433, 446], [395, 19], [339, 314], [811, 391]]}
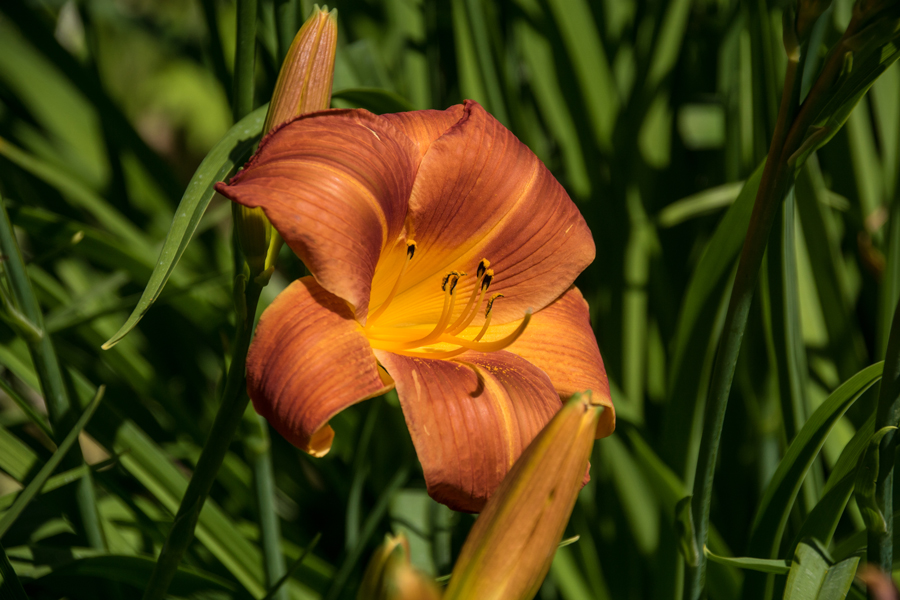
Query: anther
{"points": [[488, 277], [447, 277], [490, 304], [482, 267], [410, 249]]}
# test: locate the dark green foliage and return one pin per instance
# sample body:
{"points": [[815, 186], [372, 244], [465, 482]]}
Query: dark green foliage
{"points": [[655, 115]]}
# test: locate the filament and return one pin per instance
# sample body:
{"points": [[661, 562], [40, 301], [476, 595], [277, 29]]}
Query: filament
{"points": [[410, 252]]}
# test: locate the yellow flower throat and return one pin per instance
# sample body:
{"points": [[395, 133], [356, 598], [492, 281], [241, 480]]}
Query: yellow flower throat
{"points": [[445, 334]]}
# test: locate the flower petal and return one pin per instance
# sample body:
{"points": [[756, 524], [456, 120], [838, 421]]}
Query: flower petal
{"points": [[481, 193], [470, 418], [335, 184], [308, 361], [425, 126], [560, 341]]}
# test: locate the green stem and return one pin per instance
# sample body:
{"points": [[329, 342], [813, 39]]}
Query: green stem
{"points": [[234, 397], [881, 543], [776, 182], [286, 21], [62, 415], [231, 411], [259, 451], [244, 59]]}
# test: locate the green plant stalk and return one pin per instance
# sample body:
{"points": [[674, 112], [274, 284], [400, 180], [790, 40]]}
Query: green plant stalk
{"points": [[231, 412], [791, 129], [776, 182], [881, 543], [46, 363], [286, 23], [259, 448], [244, 59]]}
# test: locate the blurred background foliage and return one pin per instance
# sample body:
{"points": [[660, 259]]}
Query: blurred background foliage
{"points": [[651, 113]]}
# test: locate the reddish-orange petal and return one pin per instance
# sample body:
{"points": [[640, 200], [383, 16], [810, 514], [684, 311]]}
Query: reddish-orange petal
{"points": [[481, 193], [335, 184], [308, 361], [425, 126], [560, 341], [470, 418]]}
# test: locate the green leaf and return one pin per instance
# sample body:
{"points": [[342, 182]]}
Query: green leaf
{"points": [[293, 568], [16, 457], [638, 502], [584, 48], [131, 570], [695, 331], [538, 55], [230, 151], [10, 586], [812, 577], [79, 195], [823, 519], [35, 485], [374, 99], [763, 565], [775, 506], [828, 271], [699, 204]]}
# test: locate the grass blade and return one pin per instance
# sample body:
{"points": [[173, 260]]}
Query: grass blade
{"points": [[762, 565], [35, 485], [10, 586], [695, 329], [778, 498], [230, 151]]}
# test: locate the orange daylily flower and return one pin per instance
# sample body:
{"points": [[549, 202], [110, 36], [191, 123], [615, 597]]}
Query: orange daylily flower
{"points": [[443, 254]]}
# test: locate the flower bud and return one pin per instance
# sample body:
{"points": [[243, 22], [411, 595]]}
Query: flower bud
{"points": [[390, 576], [254, 234], [510, 548], [304, 83]]}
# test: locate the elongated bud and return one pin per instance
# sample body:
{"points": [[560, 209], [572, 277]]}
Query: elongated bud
{"points": [[254, 234], [510, 548], [390, 576], [304, 83], [303, 86]]}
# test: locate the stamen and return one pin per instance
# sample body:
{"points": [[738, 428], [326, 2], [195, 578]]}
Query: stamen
{"points": [[484, 265], [410, 252], [475, 344], [439, 329], [490, 346], [447, 277], [471, 306]]}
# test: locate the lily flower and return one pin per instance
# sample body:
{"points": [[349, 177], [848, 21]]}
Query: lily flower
{"points": [[442, 254]]}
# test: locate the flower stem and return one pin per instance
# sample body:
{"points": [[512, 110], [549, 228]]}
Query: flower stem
{"points": [[234, 397], [258, 448], [244, 59], [62, 414], [881, 543], [231, 411], [774, 186]]}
